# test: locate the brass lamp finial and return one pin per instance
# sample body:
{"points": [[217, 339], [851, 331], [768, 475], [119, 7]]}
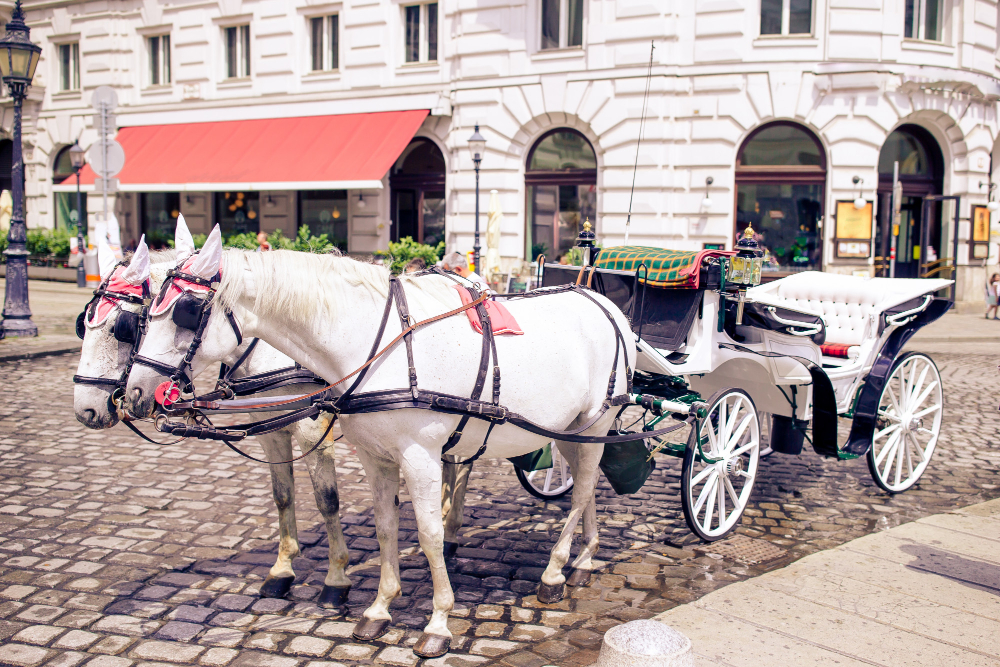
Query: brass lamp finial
{"points": [[748, 232], [586, 225]]}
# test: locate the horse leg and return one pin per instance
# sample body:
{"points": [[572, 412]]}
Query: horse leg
{"points": [[278, 447], [383, 478], [322, 470], [454, 484], [552, 588], [583, 566], [422, 472]]}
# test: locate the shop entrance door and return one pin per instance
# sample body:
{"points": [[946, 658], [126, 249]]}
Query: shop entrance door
{"points": [[938, 240], [907, 244]]}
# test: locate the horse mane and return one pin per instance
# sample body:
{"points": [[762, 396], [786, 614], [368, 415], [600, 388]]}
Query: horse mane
{"points": [[296, 285]]}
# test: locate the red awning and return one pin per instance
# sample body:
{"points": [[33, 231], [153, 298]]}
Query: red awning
{"points": [[311, 153]]}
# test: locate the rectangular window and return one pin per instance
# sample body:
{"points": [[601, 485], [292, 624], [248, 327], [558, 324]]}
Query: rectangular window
{"points": [[325, 212], [323, 32], [237, 52], [562, 24], [923, 20], [159, 60], [158, 213], [420, 33], [69, 66], [786, 17], [237, 212]]}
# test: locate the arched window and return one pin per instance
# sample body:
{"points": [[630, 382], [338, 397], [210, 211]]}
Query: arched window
{"points": [[418, 203], [561, 185], [780, 181], [67, 214], [921, 170]]}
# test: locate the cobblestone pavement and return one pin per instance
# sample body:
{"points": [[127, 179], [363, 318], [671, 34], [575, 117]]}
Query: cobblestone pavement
{"points": [[114, 552]]}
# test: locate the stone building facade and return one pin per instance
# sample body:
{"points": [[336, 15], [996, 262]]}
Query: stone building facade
{"points": [[767, 112]]}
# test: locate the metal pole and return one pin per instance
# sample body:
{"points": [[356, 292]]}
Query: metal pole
{"points": [[104, 149], [16, 311], [475, 245], [81, 270], [897, 203]]}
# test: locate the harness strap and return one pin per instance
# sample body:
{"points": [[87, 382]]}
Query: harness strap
{"points": [[396, 292]]}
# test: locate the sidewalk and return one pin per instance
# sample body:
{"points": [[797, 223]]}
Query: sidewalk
{"points": [[924, 593], [54, 307]]}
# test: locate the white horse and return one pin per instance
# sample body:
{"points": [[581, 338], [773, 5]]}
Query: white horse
{"points": [[325, 312], [103, 356]]}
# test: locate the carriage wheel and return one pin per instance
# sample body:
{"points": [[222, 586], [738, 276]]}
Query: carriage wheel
{"points": [[551, 483], [908, 423], [714, 495]]}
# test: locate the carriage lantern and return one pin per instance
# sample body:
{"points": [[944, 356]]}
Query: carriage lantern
{"points": [[743, 270], [586, 241]]}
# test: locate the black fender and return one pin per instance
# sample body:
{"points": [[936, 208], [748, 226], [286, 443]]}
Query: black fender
{"points": [[863, 426]]}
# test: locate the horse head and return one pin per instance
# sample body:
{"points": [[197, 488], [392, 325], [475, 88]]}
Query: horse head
{"points": [[110, 326], [181, 314]]}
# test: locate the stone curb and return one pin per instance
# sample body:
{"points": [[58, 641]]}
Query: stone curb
{"points": [[35, 354]]}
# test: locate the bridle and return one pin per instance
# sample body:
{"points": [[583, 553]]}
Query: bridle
{"points": [[129, 328], [192, 313]]}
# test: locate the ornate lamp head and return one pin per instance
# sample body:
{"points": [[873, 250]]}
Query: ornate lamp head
{"points": [[18, 55]]}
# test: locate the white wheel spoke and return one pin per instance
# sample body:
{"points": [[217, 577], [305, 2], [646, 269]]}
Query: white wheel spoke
{"points": [[916, 445], [732, 493], [705, 491], [743, 450], [927, 411], [918, 386], [548, 480], [899, 462], [722, 502], [697, 479], [712, 443], [734, 412], [888, 447], [886, 431], [740, 431], [888, 415], [710, 508], [892, 398], [923, 396]]}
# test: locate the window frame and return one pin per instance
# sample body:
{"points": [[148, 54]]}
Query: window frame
{"points": [[330, 48], [920, 21], [242, 52], [564, 28], [786, 14], [165, 66], [424, 33], [73, 65]]}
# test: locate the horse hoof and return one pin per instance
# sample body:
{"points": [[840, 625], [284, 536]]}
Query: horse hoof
{"points": [[550, 594], [276, 587], [333, 596], [579, 578], [431, 646], [367, 629], [450, 548]]}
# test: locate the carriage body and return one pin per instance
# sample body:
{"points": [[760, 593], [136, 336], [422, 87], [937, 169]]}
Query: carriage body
{"points": [[810, 346]]}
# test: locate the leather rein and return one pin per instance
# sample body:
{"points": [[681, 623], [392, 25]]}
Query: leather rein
{"points": [[411, 398]]}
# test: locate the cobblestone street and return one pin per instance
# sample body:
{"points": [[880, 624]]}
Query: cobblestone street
{"points": [[115, 552]]}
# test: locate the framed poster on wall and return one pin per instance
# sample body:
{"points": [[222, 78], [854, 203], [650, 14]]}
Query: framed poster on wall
{"points": [[979, 242], [854, 230]]}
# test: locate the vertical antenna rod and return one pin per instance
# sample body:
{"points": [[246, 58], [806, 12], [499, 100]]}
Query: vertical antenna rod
{"points": [[642, 119]]}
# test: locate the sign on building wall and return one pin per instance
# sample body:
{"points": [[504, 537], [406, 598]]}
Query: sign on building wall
{"points": [[854, 230], [979, 244]]}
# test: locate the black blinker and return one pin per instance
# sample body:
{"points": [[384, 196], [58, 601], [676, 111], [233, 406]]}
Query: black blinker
{"points": [[81, 327], [127, 327], [187, 311]]}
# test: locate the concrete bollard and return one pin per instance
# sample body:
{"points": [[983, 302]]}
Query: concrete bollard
{"points": [[645, 643]]}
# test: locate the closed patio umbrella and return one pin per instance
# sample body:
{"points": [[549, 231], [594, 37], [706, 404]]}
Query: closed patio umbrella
{"points": [[491, 264]]}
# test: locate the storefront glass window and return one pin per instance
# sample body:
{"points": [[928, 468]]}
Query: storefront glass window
{"points": [[158, 213], [325, 211], [561, 182], [237, 212], [786, 219]]}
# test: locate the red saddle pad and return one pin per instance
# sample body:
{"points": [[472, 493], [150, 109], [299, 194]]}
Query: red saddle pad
{"points": [[500, 318]]}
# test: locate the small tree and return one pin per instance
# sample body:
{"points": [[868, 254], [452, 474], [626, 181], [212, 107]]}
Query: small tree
{"points": [[401, 253]]}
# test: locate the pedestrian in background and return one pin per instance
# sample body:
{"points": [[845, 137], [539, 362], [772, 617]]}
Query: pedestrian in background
{"points": [[262, 244], [414, 265], [456, 263], [992, 290]]}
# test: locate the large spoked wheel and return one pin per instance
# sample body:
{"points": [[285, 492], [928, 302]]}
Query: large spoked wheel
{"points": [[714, 494], [551, 483], [908, 423]]}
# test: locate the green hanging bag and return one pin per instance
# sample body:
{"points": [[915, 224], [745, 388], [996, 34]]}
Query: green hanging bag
{"points": [[540, 459], [627, 465]]}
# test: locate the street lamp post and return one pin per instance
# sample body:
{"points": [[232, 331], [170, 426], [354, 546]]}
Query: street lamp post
{"points": [[477, 145], [18, 60], [78, 158]]}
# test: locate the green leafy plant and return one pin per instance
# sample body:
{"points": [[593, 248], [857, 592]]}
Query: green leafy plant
{"points": [[304, 241], [399, 254], [54, 242], [539, 249]]}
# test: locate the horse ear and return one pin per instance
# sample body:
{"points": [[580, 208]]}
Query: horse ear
{"points": [[183, 241], [105, 259], [206, 263], [138, 269]]}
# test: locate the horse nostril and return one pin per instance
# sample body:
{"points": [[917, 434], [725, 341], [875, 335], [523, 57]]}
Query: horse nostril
{"points": [[90, 415], [136, 394]]}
